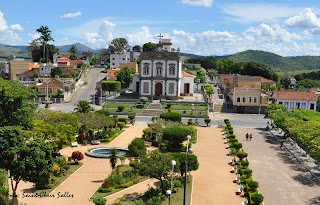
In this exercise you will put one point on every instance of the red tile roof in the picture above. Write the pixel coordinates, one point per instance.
(226, 77)
(265, 80)
(67, 70)
(293, 95)
(314, 90)
(75, 62)
(63, 60)
(185, 74)
(52, 83)
(112, 78)
(28, 73)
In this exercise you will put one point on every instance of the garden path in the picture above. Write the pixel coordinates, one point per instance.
(83, 183)
(213, 182)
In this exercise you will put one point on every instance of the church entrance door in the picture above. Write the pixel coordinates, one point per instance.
(158, 89)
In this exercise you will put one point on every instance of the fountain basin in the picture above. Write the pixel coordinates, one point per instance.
(104, 152)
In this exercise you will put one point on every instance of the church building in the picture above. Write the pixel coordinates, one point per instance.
(161, 74)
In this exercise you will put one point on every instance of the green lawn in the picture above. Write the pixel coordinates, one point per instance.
(128, 110)
(185, 106)
(116, 104)
(59, 180)
(176, 198)
(198, 113)
(114, 190)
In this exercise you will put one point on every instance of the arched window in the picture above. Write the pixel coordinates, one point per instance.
(146, 69)
(159, 68)
(172, 69)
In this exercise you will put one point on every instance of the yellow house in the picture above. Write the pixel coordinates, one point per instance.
(17, 67)
(50, 86)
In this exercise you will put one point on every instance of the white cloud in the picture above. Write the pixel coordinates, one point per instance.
(305, 19)
(141, 37)
(7, 36)
(266, 13)
(270, 33)
(34, 35)
(71, 15)
(102, 37)
(206, 3)
(16, 27)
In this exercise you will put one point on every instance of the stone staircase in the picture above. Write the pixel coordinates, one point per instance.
(153, 110)
(218, 108)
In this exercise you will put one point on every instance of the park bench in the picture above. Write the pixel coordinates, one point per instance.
(95, 142)
(233, 170)
(239, 191)
(236, 179)
(229, 153)
(74, 144)
(245, 202)
(231, 161)
(148, 144)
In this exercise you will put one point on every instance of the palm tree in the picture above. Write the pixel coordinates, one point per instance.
(45, 37)
(83, 106)
(113, 158)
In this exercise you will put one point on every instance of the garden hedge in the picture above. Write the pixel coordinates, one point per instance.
(173, 116)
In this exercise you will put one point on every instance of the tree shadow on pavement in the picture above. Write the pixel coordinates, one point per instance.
(97, 181)
(29, 190)
(306, 179)
(315, 200)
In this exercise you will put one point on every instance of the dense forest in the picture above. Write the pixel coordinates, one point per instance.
(279, 63)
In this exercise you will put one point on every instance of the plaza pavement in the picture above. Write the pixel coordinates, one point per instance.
(83, 183)
(282, 179)
(213, 182)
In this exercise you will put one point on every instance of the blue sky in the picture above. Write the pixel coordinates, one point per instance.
(204, 27)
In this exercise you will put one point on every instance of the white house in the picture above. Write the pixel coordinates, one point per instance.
(296, 100)
(123, 57)
(45, 69)
(161, 74)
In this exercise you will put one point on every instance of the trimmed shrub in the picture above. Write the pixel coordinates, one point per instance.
(231, 136)
(134, 164)
(76, 156)
(111, 85)
(105, 190)
(242, 155)
(144, 100)
(231, 132)
(104, 112)
(176, 134)
(207, 121)
(232, 140)
(139, 105)
(99, 201)
(120, 108)
(120, 125)
(245, 163)
(177, 183)
(247, 171)
(171, 116)
(237, 145)
(131, 117)
(257, 198)
(123, 119)
(253, 184)
(190, 122)
(169, 105)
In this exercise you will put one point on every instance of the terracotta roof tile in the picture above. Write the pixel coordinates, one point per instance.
(63, 60)
(185, 74)
(314, 90)
(75, 62)
(293, 95)
(53, 83)
(28, 73)
(265, 80)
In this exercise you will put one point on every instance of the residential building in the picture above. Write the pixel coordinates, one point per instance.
(123, 57)
(45, 69)
(316, 91)
(4, 67)
(18, 66)
(296, 100)
(161, 74)
(27, 78)
(82, 59)
(51, 86)
(112, 72)
(268, 82)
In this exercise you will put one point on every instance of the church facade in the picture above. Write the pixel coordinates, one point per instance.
(161, 74)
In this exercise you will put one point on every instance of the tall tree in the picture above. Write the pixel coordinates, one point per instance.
(45, 37)
(113, 157)
(120, 45)
(83, 106)
(73, 52)
(88, 54)
(104, 55)
(136, 48)
(124, 76)
(15, 107)
(149, 47)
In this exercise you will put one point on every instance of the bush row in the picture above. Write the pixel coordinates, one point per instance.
(250, 186)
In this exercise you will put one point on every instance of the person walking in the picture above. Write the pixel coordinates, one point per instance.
(132, 124)
(281, 144)
(247, 136)
(250, 136)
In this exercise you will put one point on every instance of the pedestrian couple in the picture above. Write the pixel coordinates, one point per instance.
(248, 136)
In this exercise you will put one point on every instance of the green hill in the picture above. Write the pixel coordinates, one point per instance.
(279, 63)
(18, 51)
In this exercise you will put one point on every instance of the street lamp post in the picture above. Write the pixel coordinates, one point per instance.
(168, 192)
(186, 171)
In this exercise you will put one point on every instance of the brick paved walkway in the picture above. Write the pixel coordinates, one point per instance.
(282, 179)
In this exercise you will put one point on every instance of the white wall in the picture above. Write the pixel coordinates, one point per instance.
(149, 85)
(189, 80)
(176, 69)
(295, 106)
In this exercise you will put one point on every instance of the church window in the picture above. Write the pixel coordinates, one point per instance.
(172, 69)
(159, 68)
(146, 69)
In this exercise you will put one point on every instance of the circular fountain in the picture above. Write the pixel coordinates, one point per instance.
(104, 152)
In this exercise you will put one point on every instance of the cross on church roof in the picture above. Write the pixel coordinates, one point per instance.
(160, 36)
